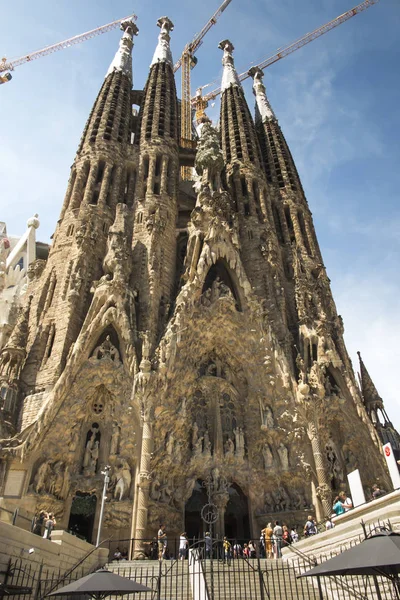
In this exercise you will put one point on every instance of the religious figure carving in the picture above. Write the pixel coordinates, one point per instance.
(283, 456)
(42, 478)
(107, 350)
(170, 444)
(207, 444)
(239, 441)
(229, 447)
(268, 418)
(116, 432)
(267, 456)
(122, 478)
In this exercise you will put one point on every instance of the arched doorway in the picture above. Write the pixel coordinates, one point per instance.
(194, 525)
(237, 522)
(81, 518)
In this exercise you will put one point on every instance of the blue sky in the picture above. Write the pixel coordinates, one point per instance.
(337, 101)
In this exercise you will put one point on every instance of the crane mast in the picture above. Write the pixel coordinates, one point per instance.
(187, 61)
(201, 102)
(77, 39)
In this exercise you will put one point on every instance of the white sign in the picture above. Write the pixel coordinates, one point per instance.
(356, 488)
(392, 465)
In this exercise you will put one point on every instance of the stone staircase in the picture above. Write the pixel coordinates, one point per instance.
(238, 580)
(174, 580)
(242, 579)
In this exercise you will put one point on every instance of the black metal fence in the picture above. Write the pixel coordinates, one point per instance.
(20, 574)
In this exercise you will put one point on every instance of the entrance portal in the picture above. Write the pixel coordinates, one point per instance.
(237, 522)
(81, 518)
(194, 525)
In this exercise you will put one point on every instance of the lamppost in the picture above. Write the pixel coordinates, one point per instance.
(106, 474)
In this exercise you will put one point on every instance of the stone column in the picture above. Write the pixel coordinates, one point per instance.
(164, 175)
(324, 490)
(90, 184)
(105, 186)
(143, 489)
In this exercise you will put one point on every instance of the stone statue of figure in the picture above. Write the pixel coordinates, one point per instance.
(267, 456)
(239, 441)
(74, 439)
(283, 456)
(195, 434)
(94, 457)
(170, 443)
(268, 418)
(116, 431)
(88, 450)
(229, 447)
(42, 478)
(207, 444)
(106, 350)
(122, 478)
(198, 447)
(57, 480)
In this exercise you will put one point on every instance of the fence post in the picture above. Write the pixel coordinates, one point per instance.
(261, 578)
(159, 578)
(321, 597)
(15, 516)
(36, 595)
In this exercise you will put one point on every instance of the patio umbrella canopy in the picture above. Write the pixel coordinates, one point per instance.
(377, 555)
(101, 584)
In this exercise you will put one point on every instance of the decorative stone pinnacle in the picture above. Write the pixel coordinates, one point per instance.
(163, 51)
(229, 75)
(263, 105)
(123, 57)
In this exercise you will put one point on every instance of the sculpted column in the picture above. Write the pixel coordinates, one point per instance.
(142, 382)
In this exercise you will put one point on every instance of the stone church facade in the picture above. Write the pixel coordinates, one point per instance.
(181, 333)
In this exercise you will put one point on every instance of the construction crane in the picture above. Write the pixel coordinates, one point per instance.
(77, 39)
(187, 61)
(200, 102)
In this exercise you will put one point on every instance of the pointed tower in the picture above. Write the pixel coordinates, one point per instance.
(245, 179)
(99, 179)
(156, 208)
(376, 410)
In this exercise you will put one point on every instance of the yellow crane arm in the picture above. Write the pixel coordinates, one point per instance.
(198, 38)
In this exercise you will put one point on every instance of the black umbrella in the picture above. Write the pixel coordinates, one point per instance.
(101, 584)
(376, 555)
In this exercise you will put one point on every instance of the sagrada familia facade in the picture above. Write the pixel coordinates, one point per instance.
(182, 332)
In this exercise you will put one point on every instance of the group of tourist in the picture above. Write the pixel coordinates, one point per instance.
(44, 524)
(274, 537)
(120, 554)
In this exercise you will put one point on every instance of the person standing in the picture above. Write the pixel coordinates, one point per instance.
(162, 541)
(338, 507)
(346, 501)
(268, 531)
(278, 534)
(49, 526)
(208, 544)
(310, 527)
(39, 523)
(227, 550)
(183, 544)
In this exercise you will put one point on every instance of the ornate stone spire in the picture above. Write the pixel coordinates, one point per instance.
(370, 394)
(163, 51)
(123, 57)
(263, 105)
(229, 75)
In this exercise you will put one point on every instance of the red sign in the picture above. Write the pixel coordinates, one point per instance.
(387, 451)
